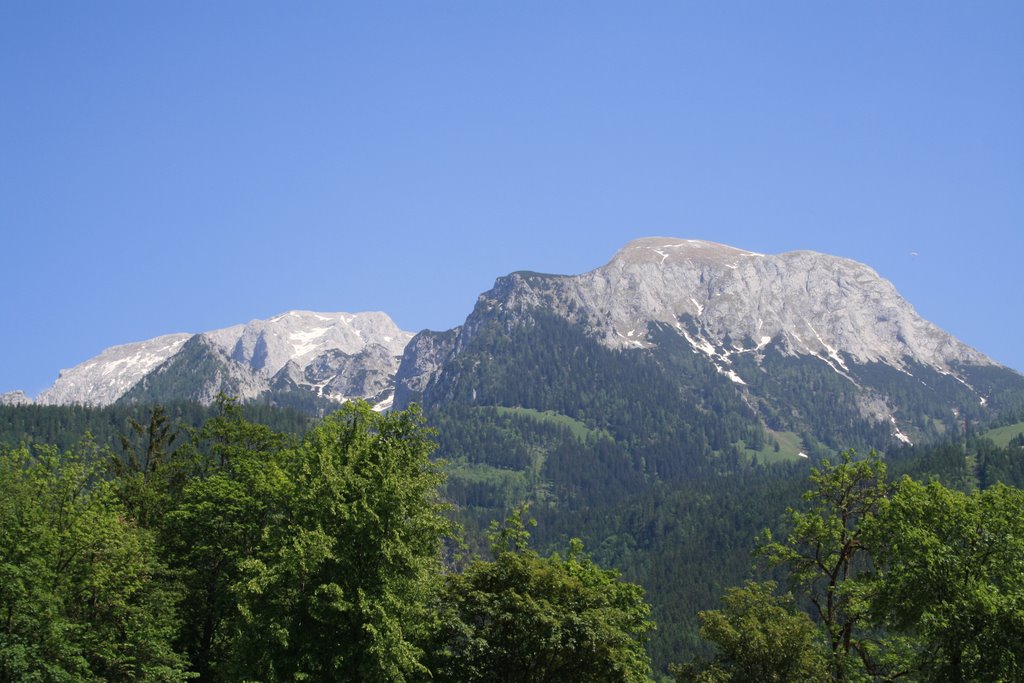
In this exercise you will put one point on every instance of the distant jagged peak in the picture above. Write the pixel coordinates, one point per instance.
(260, 348)
(302, 335)
(15, 398)
(354, 319)
(268, 344)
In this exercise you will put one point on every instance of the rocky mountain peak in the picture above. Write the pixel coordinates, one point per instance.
(103, 379)
(301, 336)
(778, 332)
(15, 398)
(724, 301)
(815, 304)
(248, 360)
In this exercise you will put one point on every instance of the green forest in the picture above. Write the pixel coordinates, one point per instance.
(245, 543)
(232, 552)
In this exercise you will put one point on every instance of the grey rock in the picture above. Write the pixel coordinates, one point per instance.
(102, 380)
(15, 398)
(424, 358)
(817, 304)
(724, 301)
(247, 361)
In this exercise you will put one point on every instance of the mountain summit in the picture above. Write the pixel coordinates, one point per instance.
(810, 303)
(761, 321)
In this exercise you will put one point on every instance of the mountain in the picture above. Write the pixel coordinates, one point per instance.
(637, 406)
(299, 358)
(784, 330)
(14, 398)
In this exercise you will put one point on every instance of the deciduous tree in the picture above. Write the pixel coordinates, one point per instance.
(759, 636)
(523, 617)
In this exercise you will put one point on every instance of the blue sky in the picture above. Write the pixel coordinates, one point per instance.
(169, 167)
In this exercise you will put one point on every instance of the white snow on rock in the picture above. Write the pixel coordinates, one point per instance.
(816, 304)
(300, 336)
(260, 349)
(102, 380)
(900, 436)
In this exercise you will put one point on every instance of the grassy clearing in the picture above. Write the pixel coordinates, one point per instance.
(790, 447)
(506, 484)
(1001, 435)
(578, 429)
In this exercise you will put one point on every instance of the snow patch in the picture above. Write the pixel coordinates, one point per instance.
(700, 309)
(956, 377)
(635, 343)
(303, 342)
(898, 434)
(731, 374)
(832, 353)
(703, 345)
(838, 371)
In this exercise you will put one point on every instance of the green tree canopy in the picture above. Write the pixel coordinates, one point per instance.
(349, 563)
(825, 550)
(951, 575)
(82, 595)
(232, 488)
(916, 582)
(759, 637)
(523, 617)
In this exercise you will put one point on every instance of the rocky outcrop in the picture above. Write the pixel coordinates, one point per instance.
(815, 303)
(102, 380)
(15, 398)
(424, 358)
(334, 356)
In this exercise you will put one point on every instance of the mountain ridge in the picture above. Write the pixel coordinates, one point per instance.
(730, 305)
(250, 358)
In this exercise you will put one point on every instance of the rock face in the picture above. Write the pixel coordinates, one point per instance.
(330, 357)
(302, 336)
(733, 307)
(15, 398)
(813, 304)
(102, 380)
(424, 357)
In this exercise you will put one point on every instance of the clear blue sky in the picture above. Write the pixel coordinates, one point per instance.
(182, 166)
